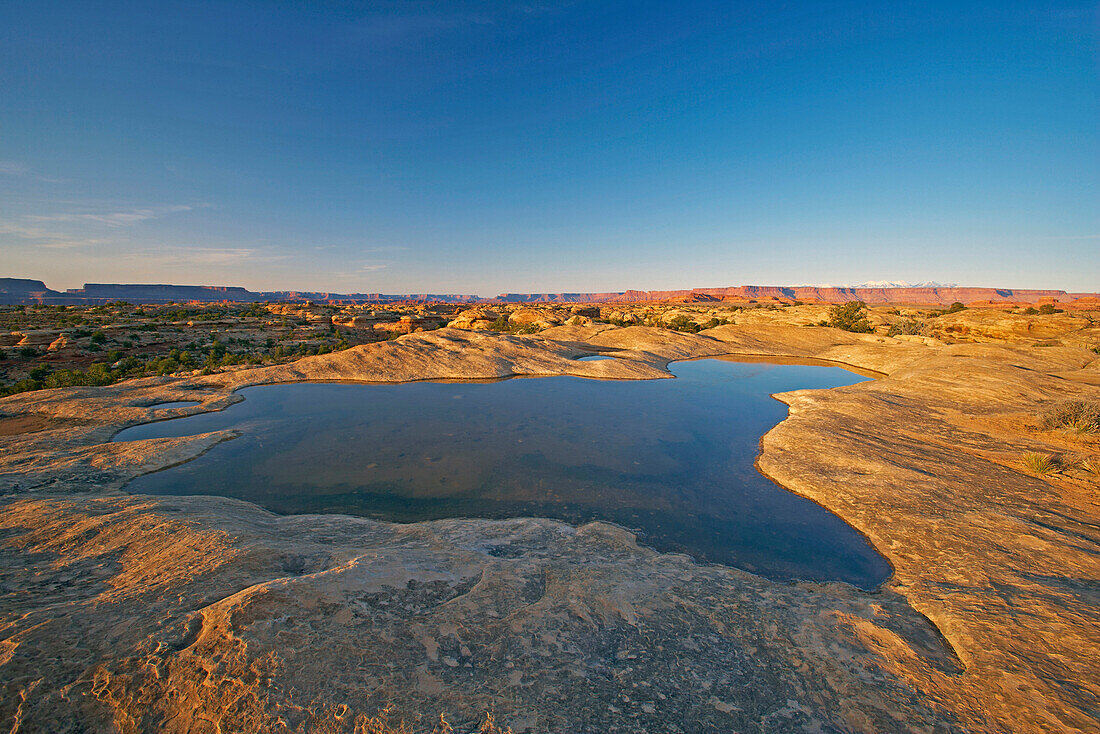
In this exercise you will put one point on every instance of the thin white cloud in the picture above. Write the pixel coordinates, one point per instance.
(393, 31)
(371, 268)
(41, 237)
(72, 230)
(363, 250)
(13, 168)
(23, 231)
(382, 248)
(125, 218)
(204, 256)
(72, 244)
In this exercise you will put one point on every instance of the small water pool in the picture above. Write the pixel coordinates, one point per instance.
(671, 459)
(594, 358)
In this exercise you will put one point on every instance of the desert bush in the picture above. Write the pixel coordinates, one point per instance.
(384, 722)
(1038, 464)
(850, 316)
(683, 323)
(953, 308)
(1048, 308)
(24, 385)
(1079, 462)
(1078, 416)
(502, 324)
(909, 327)
(40, 372)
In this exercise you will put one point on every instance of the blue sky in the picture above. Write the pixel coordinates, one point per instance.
(478, 147)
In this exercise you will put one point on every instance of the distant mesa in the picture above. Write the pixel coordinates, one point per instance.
(27, 291)
(22, 288)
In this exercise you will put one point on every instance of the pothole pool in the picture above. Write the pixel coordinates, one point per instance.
(669, 459)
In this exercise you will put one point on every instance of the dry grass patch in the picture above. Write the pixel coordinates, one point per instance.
(383, 723)
(1074, 416)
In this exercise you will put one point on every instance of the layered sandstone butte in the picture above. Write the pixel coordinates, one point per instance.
(16, 290)
(923, 296)
(24, 290)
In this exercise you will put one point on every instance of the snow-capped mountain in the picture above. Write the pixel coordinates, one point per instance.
(903, 284)
(881, 284)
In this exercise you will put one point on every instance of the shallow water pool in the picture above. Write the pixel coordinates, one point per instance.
(670, 459)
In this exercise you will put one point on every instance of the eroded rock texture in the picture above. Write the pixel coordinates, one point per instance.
(206, 614)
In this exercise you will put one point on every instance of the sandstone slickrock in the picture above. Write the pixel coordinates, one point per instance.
(135, 613)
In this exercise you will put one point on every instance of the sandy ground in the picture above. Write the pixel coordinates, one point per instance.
(194, 614)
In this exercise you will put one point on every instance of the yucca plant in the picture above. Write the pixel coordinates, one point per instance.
(1090, 464)
(1082, 426)
(1039, 464)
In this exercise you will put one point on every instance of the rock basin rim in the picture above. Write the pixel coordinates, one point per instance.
(776, 360)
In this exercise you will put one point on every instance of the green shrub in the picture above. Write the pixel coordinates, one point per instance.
(99, 337)
(64, 378)
(100, 374)
(40, 372)
(683, 323)
(502, 324)
(25, 385)
(850, 316)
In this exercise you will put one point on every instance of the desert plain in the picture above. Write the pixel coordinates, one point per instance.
(132, 613)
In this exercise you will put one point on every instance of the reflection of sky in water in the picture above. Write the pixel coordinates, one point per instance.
(672, 459)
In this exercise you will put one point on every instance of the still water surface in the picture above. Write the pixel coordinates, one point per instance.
(671, 459)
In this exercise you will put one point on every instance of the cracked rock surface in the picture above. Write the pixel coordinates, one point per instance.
(193, 614)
